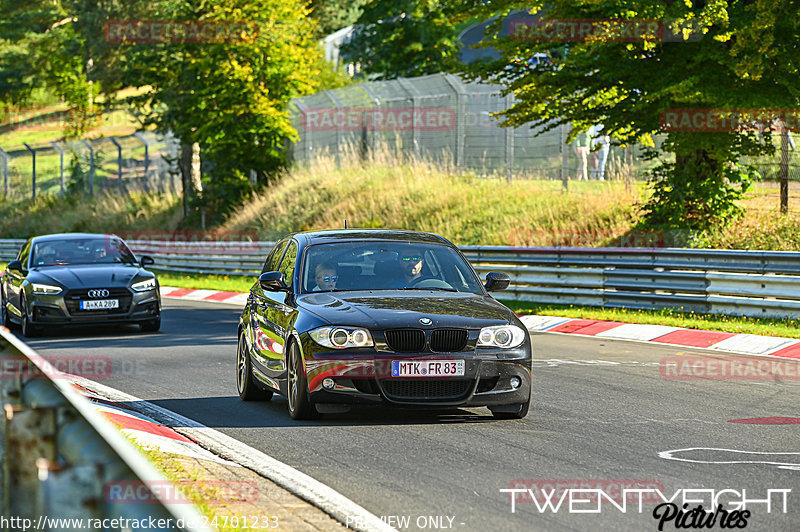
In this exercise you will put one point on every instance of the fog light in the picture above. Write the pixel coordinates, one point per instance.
(328, 383)
(515, 382)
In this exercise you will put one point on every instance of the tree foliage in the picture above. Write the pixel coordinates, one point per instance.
(725, 54)
(405, 38)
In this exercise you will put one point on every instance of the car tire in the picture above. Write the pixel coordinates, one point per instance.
(29, 330)
(517, 411)
(245, 383)
(297, 386)
(4, 316)
(151, 325)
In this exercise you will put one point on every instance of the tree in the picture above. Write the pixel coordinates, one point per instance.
(714, 54)
(333, 15)
(405, 38)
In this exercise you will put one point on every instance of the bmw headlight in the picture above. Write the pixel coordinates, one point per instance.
(505, 336)
(342, 337)
(46, 289)
(144, 286)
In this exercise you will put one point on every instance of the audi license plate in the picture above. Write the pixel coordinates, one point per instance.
(427, 368)
(100, 304)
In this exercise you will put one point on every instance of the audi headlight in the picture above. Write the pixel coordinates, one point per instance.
(144, 286)
(505, 336)
(46, 289)
(342, 337)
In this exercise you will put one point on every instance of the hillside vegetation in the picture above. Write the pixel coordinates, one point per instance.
(388, 193)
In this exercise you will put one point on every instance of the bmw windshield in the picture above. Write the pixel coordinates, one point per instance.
(386, 265)
(81, 251)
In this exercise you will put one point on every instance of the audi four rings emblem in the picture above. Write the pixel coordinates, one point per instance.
(98, 293)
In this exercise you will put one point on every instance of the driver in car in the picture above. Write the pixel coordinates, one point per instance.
(411, 263)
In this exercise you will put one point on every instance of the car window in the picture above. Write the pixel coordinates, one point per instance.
(379, 265)
(287, 264)
(273, 260)
(24, 252)
(95, 250)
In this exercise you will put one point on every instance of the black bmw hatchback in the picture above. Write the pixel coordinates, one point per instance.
(380, 317)
(78, 279)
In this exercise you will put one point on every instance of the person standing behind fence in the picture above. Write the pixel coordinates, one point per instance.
(599, 156)
(582, 145)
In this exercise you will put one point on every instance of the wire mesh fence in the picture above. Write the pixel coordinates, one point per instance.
(443, 119)
(144, 162)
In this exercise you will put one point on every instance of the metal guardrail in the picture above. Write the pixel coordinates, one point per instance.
(706, 281)
(62, 460)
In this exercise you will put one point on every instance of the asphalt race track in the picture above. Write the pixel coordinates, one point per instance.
(602, 412)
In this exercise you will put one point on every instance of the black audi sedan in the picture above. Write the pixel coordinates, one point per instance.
(393, 318)
(79, 279)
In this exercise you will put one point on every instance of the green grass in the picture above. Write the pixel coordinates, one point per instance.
(789, 328)
(230, 283)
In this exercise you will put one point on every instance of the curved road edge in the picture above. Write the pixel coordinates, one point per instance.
(347, 512)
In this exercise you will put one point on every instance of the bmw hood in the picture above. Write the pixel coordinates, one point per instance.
(394, 309)
(88, 276)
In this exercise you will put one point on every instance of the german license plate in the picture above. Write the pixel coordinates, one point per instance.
(100, 304)
(427, 368)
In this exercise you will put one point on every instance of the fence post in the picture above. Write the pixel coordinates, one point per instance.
(146, 160)
(413, 96)
(371, 121)
(564, 158)
(91, 167)
(784, 169)
(509, 143)
(338, 105)
(60, 151)
(119, 164)
(461, 110)
(5, 171)
(33, 170)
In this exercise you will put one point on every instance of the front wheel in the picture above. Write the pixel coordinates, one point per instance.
(29, 330)
(151, 325)
(299, 405)
(517, 411)
(248, 389)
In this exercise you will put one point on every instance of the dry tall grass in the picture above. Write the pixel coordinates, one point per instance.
(387, 192)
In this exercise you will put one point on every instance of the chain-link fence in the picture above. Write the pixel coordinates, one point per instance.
(441, 118)
(143, 162)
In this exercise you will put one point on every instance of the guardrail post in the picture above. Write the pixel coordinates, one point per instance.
(5, 171)
(91, 167)
(60, 151)
(33, 170)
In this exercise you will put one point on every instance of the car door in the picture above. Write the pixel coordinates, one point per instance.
(265, 335)
(279, 313)
(13, 280)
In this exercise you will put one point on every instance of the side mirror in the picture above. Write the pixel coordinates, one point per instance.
(496, 281)
(146, 260)
(273, 282)
(15, 265)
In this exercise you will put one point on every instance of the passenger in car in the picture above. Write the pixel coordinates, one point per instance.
(325, 277)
